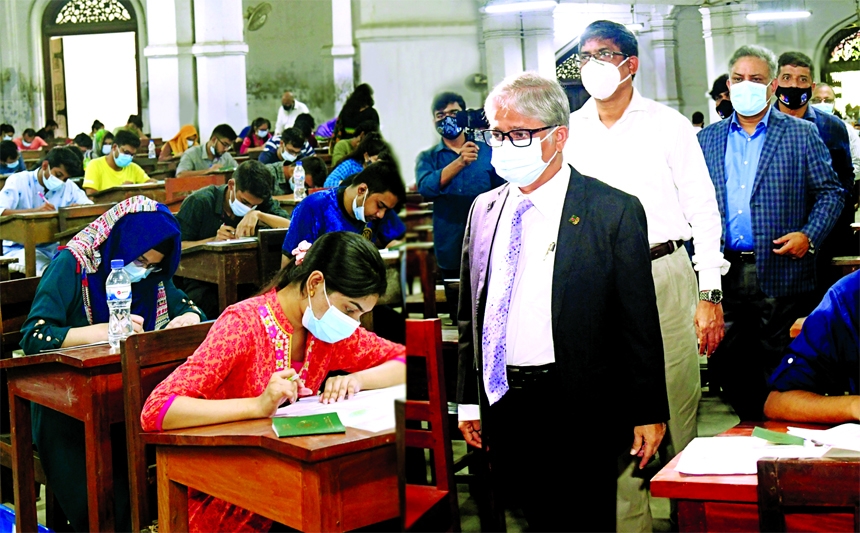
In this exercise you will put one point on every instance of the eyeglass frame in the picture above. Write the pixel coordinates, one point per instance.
(822, 100)
(508, 135)
(600, 53)
(152, 268)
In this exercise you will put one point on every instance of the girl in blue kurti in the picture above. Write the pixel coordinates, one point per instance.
(365, 153)
(364, 204)
(70, 309)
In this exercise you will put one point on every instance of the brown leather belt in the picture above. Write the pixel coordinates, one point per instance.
(665, 249)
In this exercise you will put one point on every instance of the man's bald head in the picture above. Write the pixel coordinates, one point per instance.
(287, 100)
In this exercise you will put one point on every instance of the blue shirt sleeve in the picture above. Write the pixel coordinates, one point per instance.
(305, 225)
(391, 228)
(21, 166)
(268, 157)
(428, 178)
(824, 358)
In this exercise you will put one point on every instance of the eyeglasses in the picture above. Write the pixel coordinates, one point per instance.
(605, 55)
(143, 263)
(223, 144)
(519, 138)
(821, 100)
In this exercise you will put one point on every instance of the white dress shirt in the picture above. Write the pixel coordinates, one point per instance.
(652, 153)
(529, 328)
(286, 119)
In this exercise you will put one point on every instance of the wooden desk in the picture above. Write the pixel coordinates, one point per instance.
(847, 264)
(320, 483)
(86, 384)
(29, 229)
(730, 503)
(228, 266)
(287, 201)
(3, 180)
(118, 194)
(4, 267)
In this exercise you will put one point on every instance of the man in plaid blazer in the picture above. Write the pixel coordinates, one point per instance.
(779, 198)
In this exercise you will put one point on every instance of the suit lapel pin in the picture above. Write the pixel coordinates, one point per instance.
(574, 220)
(490, 206)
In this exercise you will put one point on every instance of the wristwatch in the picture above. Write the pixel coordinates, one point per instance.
(811, 245)
(714, 296)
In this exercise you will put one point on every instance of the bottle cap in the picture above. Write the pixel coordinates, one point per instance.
(116, 263)
(298, 163)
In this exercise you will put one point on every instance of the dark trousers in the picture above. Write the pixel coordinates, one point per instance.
(62, 450)
(757, 334)
(451, 296)
(549, 464)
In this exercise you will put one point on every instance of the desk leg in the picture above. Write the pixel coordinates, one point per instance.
(227, 294)
(22, 463)
(100, 499)
(691, 516)
(172, 496)
(322, 507)
(30, 251)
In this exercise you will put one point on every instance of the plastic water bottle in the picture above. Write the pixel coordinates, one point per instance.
(299, 181)
(118, 289)
(151, 149)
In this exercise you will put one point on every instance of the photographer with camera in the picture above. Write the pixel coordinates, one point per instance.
(452, 174)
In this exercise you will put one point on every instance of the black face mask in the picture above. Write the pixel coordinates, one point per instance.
(725, 109)
(287, 107)
(793, 97)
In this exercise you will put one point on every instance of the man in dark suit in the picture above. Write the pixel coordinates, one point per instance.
(558, 320)
(779, 198)
(793, 97)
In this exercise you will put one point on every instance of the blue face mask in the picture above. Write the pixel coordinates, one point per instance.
(123, 160)
(52, 183)
(239, 209)
(448, 128)
(262, 133)
(334, 326)
(106, 149)
(748, 97)
(135, 272)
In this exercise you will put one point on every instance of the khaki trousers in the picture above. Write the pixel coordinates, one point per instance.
(677, 296)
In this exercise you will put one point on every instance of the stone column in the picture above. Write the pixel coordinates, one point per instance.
(220, 50)
(342, 51)
(538, 49)
(725, 29)
(660, 39)
(172, 97)
(504, 47)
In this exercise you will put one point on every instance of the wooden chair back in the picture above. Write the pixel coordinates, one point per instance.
(427, 507)
(799, 483)
(421, 258)
(147, 359)
(270, 242)
(16, 297)
(71, 220)
(177, 189)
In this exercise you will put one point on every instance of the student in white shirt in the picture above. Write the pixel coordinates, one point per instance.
(43, 189)
(289, 110)
(650, 151)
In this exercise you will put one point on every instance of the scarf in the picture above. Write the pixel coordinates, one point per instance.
(126, 231)
(179, 143)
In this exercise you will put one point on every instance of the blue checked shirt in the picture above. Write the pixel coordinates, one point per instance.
(743, 152)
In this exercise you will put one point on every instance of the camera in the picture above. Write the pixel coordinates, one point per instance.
(472, 120)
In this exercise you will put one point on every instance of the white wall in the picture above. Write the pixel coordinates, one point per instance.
(410, 51)
(291, 52)
(693, 82)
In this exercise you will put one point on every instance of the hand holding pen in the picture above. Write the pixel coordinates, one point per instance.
(47, 206)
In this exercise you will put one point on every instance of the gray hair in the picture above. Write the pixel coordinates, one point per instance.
(754, 50)
(530, 95)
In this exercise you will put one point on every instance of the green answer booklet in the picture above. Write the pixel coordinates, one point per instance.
(300, 426)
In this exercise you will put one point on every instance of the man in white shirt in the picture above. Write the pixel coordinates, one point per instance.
(44, 189)
(289, 110)
(650, 151)
(557, 309)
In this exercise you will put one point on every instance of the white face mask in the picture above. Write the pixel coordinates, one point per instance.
(824, 107)
(239, 209)
(7, 137)
(52, 183)
(287, 155)
(357, 211)
(748, 97)
(190, 143)
(106, 148)
(521, 166)
(334, 326)
(25, 143)
(601, 79)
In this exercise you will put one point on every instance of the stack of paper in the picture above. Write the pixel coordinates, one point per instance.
(842, 441)
(370, 410)
(736, 455)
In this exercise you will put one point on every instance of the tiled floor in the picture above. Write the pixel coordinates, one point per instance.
(714, 417)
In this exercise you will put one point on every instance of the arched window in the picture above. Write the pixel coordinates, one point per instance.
(569, 77)
(67, 18)
(840, 68)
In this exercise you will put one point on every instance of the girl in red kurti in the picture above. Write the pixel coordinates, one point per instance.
(307, 323)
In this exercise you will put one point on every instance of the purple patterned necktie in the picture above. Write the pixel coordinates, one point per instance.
(494, 339)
